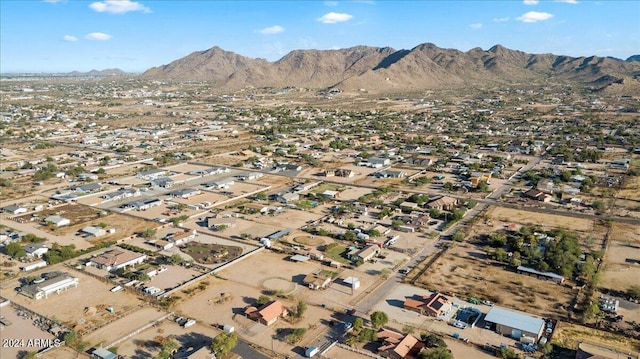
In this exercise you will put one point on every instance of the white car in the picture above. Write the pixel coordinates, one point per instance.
(460, 325)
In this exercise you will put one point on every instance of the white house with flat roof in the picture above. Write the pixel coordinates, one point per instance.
(57, 221)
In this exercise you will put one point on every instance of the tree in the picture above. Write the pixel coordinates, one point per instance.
(224, 343)
(458, 237)
(367, 335)
(175, 259)
(295, 335)
(358, 323)
(148, 233)
(436, 353)
(590, 313)
(167, 350)
(385, 273)
(634, 291)
(507, 353)
(598, 206)
(263, 299)
(15, 250)
(483, 187)
(70, 338)
(301, 308)
(431, 340)
(379, 319)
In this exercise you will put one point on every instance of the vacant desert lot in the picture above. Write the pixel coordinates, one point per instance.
(20, 332)
(622, 260)
(545, 220)
(122, 327)
(465, 271)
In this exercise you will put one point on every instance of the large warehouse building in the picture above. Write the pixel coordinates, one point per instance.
(515, 324)
(55, 283)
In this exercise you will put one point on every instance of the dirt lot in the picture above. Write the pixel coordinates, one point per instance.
(466, 271)
(630, 189)
(21, 334)
(622, 259)
(143, 345)
(570, 335)
(204, 253)
(82, 307)
(121, 327)
(545, 220)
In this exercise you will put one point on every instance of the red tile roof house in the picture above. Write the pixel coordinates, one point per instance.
(268, 313)
(396, 346)
(433, 305)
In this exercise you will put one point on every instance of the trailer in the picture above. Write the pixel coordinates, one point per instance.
(33, 266)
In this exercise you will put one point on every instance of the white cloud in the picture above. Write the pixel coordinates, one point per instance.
(272, 30)
(69, 38)
(101, 36)
(573, 2)
(334, 17)
(476, 26)
(535, 16)
(331, 3)
(530, 2)
(501, 19)
(118, 6)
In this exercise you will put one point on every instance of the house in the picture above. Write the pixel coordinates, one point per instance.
(87, 177)
(181, 237)
(249, 176)
(92, 231)
(13, 209)
(162, 182)
(185, 193)
(378, 161)
(54, 283)
(366, 253)
(379, 228)
(330, 194)
(86, 188)
(57, 221)
(317, 281)
(398, 346)
(220, 184)
(143, 205)
(443, 203)
(537, 195)
(117, 258)
(477, 177)
(268, 313)
(217, 223)
(515, 324)
(434, 305)
(152, 174)
(344, 172)
(121, 194)
(35, 250)
(288, 197)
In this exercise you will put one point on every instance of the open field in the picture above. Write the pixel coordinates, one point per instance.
(544, 220)
(122, 327)
(630, 188)
(82, 307)
(466, 271)
(570, 335)
(622, 260)
(267, 264)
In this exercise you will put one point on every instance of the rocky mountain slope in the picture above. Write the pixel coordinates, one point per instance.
(426, 66)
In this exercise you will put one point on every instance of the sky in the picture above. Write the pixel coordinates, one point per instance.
(75, 35)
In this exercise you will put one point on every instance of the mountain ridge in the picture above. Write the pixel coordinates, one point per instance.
(425, 66)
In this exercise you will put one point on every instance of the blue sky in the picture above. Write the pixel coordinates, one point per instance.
(61, 36)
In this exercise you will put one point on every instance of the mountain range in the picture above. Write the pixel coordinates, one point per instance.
(383, 69)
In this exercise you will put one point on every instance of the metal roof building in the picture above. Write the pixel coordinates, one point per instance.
(515, 324)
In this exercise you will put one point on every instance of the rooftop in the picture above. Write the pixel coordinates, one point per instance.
(514, 320)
